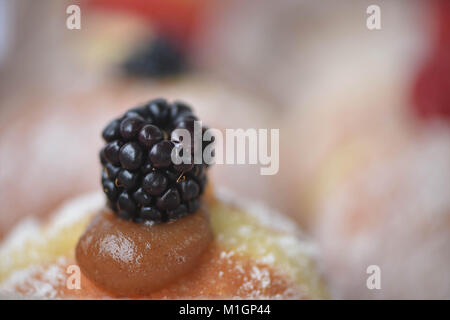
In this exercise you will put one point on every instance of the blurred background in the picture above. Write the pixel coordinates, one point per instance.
(363, 115)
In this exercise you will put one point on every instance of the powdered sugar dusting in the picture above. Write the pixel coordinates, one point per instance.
(37, 281)
(294, 240)
(268, 237)
(30, 239)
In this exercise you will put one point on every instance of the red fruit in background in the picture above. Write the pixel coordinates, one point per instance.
(431, 95)
(431, 90)
(442, 18)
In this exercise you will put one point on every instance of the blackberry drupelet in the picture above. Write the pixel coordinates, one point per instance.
(139, 178)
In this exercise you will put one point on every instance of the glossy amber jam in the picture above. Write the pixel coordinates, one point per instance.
(130, 259)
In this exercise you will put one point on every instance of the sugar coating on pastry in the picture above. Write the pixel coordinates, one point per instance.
(257, 253)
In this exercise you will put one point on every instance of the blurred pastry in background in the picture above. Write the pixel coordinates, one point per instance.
(375, 180)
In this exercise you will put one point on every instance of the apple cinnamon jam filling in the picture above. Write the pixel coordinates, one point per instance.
(130, 259)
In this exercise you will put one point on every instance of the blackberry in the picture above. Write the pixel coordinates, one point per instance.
(178, 212)
(155, 183)
(157, 58)
(111, 171)
(112, 152)
(139, 179)
(150, 135)
(142, 198)
(111, 132)
(169, 200)
(189, 189)
(130, 127)
(126, 179)
(150, 214)
(130, 156)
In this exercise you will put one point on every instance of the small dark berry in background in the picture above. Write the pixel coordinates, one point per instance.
(157, 58)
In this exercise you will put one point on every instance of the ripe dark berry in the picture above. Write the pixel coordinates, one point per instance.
(159, 109)
(177, 213)
(188, 124)
(197, 170)
(127, 179)
(102, 156)
(160, 154)
(140, 112)
(130, 127)
(112, 131)
(185, 120)
(130, 156)
(183, 167)
(139, 179)
(150, 214)
(142, 197)
(154, 183)
(126, 203)
(112, 152)
(189, 189)
(104, 175)
(149, 135)
(171, 175)
(110, 189)
(193, 205)
(178, 109)
(169, 200)
(112, 171)
(146, 168)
